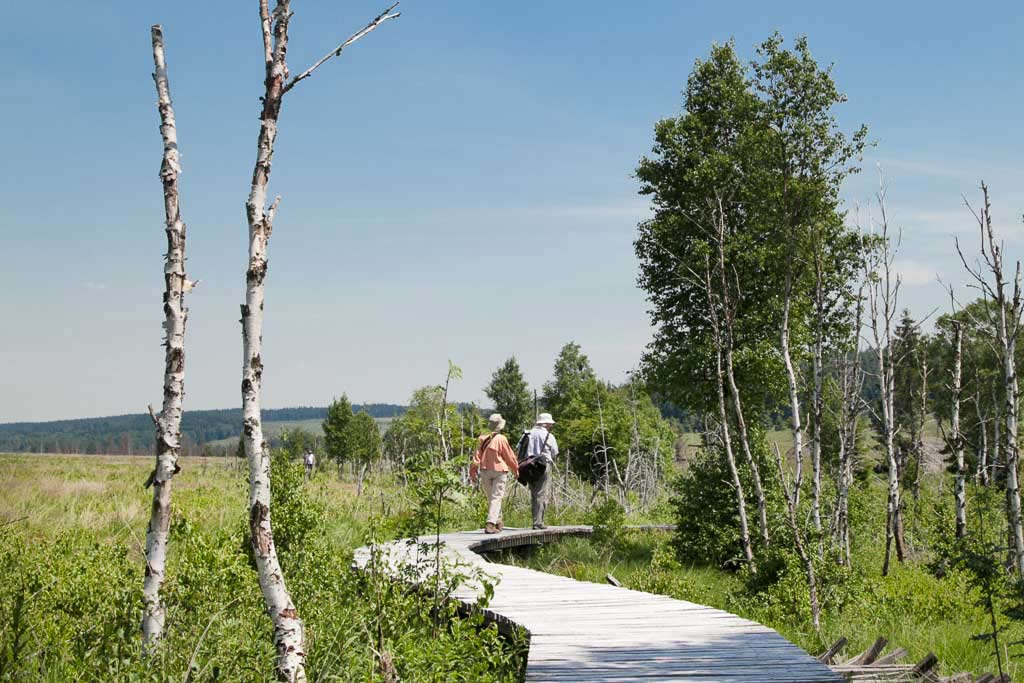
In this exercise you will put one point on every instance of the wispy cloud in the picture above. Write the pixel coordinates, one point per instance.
(96, 285)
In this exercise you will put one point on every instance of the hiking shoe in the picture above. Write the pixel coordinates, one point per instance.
(490, 528)
(501, 525)
(540, 526)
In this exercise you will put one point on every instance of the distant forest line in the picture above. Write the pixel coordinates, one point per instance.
(133, 434)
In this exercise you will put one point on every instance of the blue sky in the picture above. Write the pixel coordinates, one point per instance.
(458, 185)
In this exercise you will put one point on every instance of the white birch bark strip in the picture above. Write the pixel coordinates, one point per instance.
(955, 438)
(730, 314)
(723, 417)
(883, 296)
(168, 422)
(1007, 323)
(289, 636)
(794, 392)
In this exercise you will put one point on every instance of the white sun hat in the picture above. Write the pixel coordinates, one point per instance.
(545, 419)
(496, 422)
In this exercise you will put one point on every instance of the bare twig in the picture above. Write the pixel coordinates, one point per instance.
(377, 21)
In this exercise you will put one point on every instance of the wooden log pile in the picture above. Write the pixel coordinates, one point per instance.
(874, 665)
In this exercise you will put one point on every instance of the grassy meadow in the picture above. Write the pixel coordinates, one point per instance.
(72, 531)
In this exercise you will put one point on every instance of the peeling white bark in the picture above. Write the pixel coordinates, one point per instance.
(729, 315)
(289, 636)
(168, 422)
(956, 440)
(794, 391)
(1007, 323)
(852, 384)
(723, 418)
(883, 296)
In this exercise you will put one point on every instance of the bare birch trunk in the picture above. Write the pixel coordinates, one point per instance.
(1011, 450)
(794, 395)
(982, 473)
(919, 442)
(168, 422)
(851, 383)
(1007, 324)
(956, 441)
(729, 314)
(817, 374)
(289, 633)
(882, 297)
(741, 423)
(723, 417)
(997, 436)
(1012, 454)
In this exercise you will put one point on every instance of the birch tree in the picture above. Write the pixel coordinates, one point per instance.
(883, 295)
(168, 421)
(289, 636)
(851, 384)
(1004, 317)
(807, 159)
(955, 443)
(723, 420)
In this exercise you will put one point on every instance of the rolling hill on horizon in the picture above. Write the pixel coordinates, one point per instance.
(132, 434)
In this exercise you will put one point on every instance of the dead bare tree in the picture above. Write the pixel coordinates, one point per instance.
(982, 445)
(1006, 321)
(955, 440)
(168, 421)
(851, 385)
(883, 295)
(289, 636)
(919, 442)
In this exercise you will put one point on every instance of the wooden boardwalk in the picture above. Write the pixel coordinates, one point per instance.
(583, 631)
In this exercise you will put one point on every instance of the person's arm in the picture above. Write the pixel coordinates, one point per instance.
(554, 446)
(509, 456)
(474, 465)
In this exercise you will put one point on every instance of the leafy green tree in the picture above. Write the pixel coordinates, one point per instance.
(747, 261)
(336, 432)
(364, 439)
(429, 421)
(572, 376)
(604, 431)
(511, 396)
(295, 442)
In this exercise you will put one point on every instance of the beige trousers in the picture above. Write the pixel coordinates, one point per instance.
(493, 484)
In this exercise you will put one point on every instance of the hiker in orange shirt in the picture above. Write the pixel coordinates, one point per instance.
(493, 460)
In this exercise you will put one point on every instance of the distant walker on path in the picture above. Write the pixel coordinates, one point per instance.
(309, 460)
(493, 460)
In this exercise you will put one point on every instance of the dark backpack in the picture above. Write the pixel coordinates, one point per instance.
(530, 468)
(523, 446)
